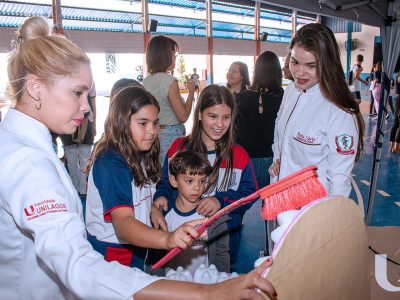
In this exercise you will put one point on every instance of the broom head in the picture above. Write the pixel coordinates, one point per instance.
(291, 192)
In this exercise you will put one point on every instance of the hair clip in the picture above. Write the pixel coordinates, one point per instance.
(16, 44)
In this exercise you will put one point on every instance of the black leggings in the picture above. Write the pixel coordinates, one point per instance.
(395, 131)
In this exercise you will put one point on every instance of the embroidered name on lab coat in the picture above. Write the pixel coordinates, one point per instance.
(305, 139)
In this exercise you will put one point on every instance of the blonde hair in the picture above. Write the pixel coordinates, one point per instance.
(38, 53)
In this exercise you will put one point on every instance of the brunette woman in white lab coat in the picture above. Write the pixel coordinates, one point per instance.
(318, 123)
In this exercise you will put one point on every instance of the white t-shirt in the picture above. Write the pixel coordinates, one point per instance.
(356, 82)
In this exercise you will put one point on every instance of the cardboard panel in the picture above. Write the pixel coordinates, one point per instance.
(324, 254)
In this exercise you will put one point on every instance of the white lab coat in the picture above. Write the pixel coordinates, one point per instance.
(44, 253)
(310, 130)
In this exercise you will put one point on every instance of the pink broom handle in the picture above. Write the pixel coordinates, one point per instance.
(175, 251)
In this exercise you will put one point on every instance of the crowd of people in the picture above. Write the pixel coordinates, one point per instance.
(148, 184)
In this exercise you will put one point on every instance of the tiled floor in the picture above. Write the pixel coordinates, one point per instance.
(386, 210)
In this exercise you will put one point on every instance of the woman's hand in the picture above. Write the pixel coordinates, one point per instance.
(184, 235)
(157, 218)
(245, 286)
(161, 202)
(208, 206)
(275, 168)
(190, 86)
(240, 288)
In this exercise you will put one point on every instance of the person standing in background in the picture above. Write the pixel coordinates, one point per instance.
(395, 130)
(370, 78)
(357, 70)
(237, 77)
(78, 146)
(286, 70)
(257, 111)
(196, 80)
(377, 86)
(161, 54)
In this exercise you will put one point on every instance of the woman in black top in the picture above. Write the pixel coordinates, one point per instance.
(257, 111)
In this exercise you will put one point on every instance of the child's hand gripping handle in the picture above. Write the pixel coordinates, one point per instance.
(175, 251)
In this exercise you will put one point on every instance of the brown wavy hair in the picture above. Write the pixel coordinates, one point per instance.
(214, 95)
(117, 135)
(320, 41)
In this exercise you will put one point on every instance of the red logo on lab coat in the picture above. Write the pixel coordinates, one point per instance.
(29, 211)
(344, 144)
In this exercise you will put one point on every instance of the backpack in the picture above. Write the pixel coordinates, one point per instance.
(350, 78)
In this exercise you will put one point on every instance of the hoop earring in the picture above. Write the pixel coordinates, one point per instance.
(38, 103)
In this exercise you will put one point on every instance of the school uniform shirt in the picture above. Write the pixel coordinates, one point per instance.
(111, 186)
(197, 254)
(310, 130)
(44, 253)
(242, 184)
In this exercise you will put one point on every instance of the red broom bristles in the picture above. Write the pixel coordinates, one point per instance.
(292, 197)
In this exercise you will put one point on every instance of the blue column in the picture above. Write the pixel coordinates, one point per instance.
(348, 49)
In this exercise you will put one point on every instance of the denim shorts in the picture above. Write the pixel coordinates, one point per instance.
(167, 135)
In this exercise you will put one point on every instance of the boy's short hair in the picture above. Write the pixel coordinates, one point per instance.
(360, 57)
(188, 161)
